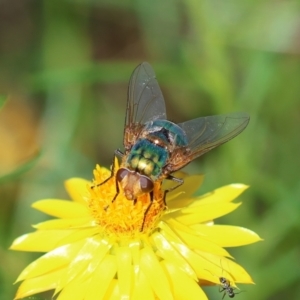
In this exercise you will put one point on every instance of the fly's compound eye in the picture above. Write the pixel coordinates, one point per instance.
(146, 184)
(121, 173)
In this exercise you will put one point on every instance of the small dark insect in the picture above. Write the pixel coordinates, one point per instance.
(226, 288)
(225, 285)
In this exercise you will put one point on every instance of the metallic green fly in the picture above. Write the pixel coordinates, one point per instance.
(156, 147)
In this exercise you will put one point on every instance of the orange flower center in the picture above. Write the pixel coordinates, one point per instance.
(117, 215)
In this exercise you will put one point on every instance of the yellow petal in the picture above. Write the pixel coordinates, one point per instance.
(168, 252)
(124, 260)
(51, 261)
(38, 284)
(142, 288)
(189, 187)
(201, 243)
(185, 288)
(113, 291)
(205, 213)
(77, 189)
(155, 274)
(61, 208)
(84, 262)
(224, 194)
(227, 268)
(65, 223)
(77, 235)
(135, 246)
(74, 291)
(203, 263)
(102, 277)
(94, 289)
(195, 239)
(39, 241)
(227, 236)
(197, 262)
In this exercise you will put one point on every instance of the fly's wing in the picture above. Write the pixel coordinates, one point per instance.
(206, 133)
(145, 103)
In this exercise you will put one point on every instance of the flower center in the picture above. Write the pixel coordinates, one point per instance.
(117, 215)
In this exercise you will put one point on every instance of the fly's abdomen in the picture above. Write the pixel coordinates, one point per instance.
(147, 158)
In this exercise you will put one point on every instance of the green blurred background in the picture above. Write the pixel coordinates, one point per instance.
(65, 66)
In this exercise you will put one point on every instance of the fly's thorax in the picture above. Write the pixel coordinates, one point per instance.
(148, 157)
(168, 132)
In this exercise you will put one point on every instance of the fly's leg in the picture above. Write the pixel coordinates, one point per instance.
(147, 210)
(164, 198)
(149, 206)
(179, 182)
(121, 154)
(117, 192)
(112, 174)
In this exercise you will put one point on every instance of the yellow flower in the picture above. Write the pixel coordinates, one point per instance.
(97, 248)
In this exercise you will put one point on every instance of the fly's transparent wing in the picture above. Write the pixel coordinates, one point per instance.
(206, 133)
(145, 102)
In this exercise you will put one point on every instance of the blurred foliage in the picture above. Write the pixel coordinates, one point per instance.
(3, 99)
(20, 169)
(65, 66)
